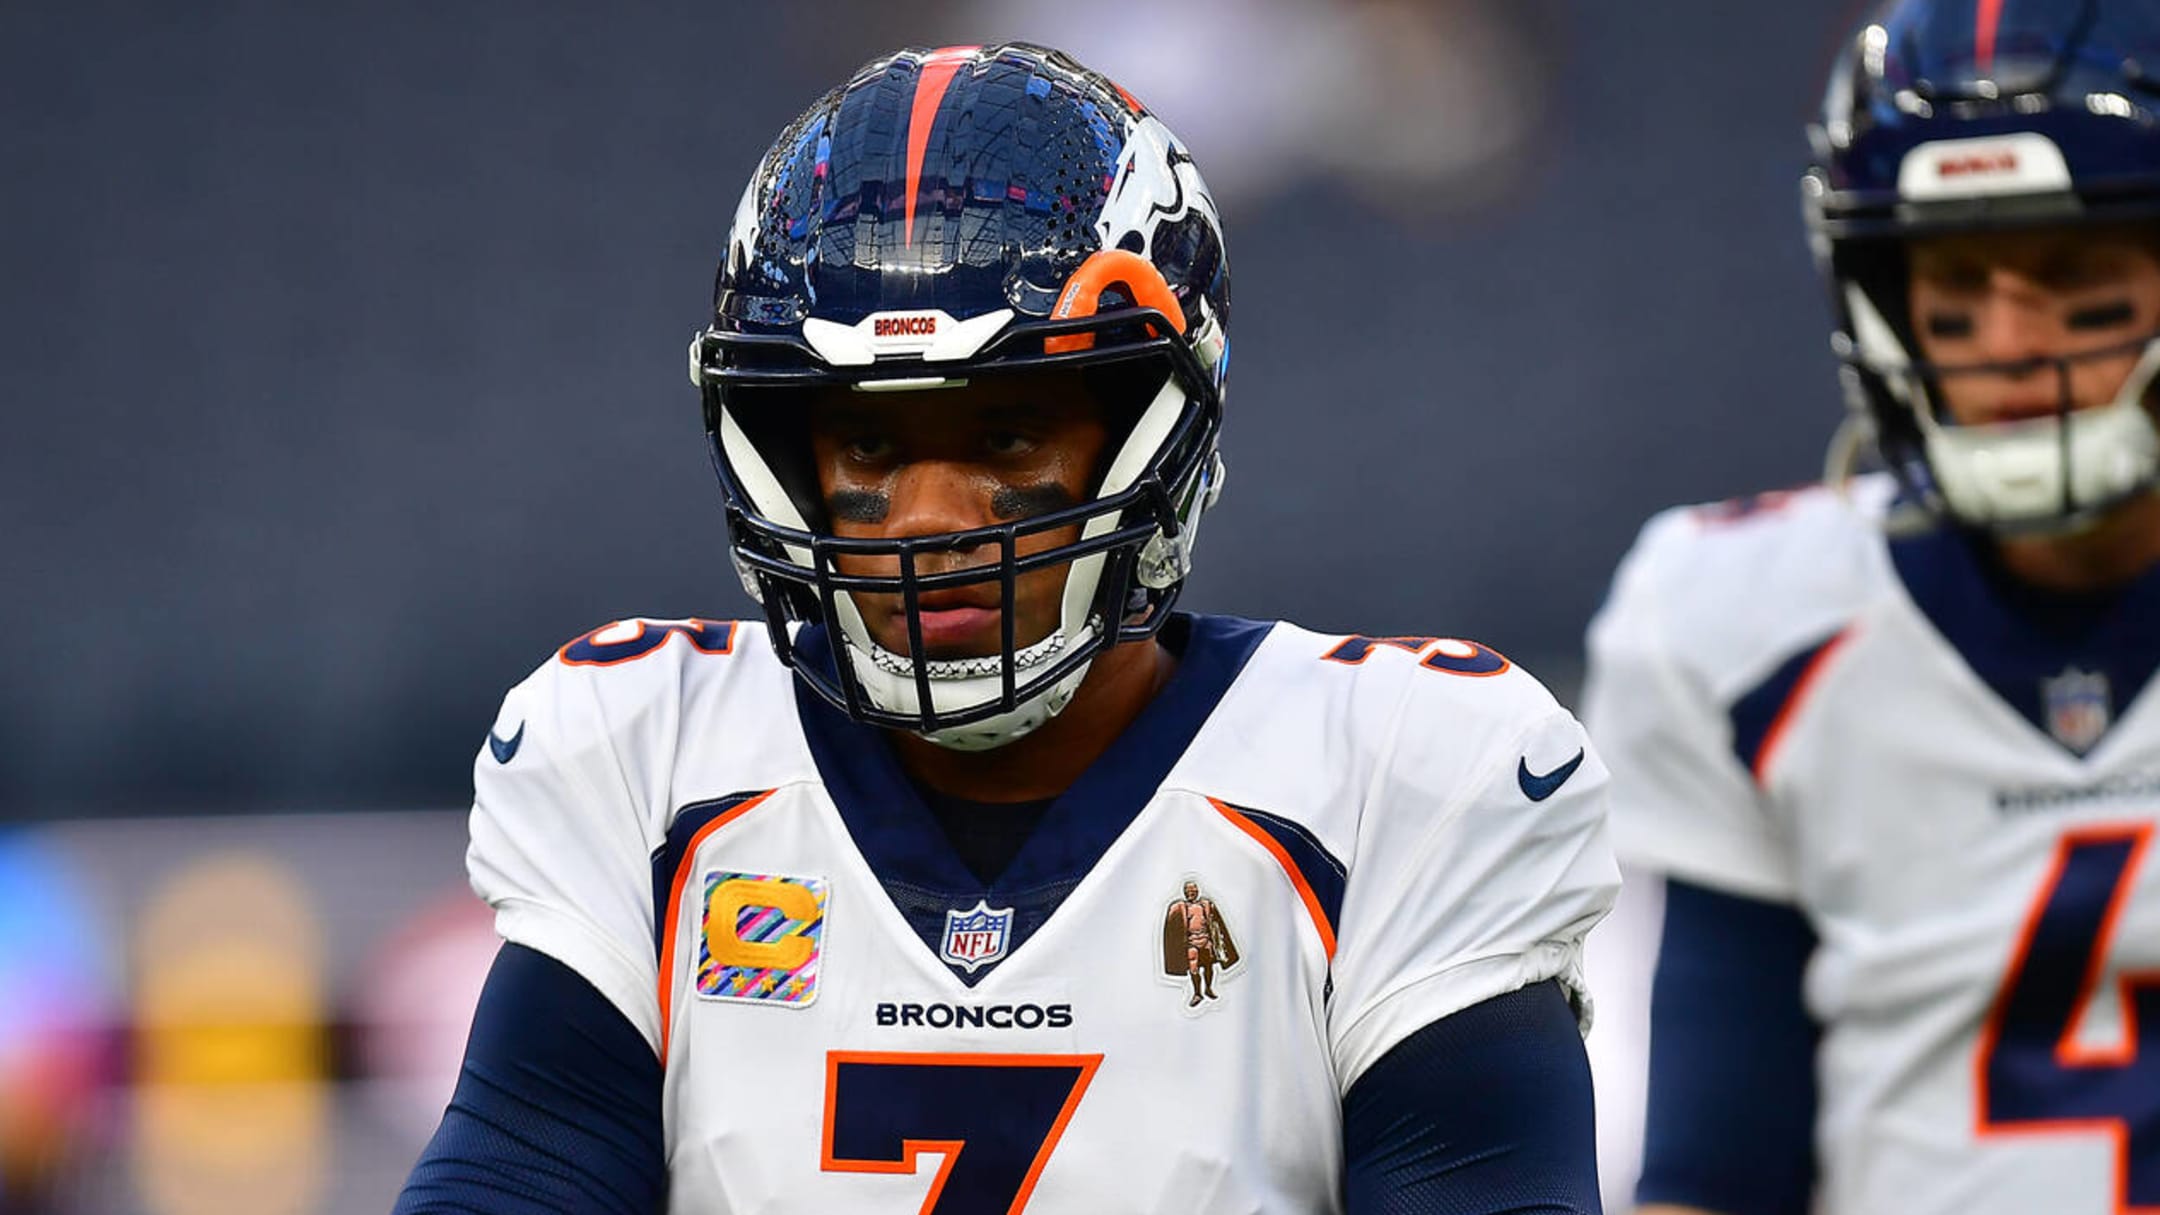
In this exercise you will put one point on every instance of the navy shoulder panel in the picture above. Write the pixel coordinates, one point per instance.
(1760, 711)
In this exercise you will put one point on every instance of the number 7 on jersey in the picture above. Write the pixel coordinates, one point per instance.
(996, 1119)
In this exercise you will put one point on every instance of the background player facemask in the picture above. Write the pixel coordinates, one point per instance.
(2038, 474)
(947, 215)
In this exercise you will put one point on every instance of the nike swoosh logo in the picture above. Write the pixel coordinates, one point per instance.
(504, 748)
(1538, 788)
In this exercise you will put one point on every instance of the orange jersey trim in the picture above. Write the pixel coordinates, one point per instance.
(1774, 737)
(674, 913)
(1290, 867)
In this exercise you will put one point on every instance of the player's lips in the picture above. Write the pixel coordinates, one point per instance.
(957, 626)
(964, 617)
(2024, 411)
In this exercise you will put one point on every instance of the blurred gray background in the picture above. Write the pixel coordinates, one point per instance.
(341, 345)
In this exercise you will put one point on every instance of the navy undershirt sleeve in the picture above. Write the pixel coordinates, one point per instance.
(1482, 1112)
(557, 1108)
(1732, 1058)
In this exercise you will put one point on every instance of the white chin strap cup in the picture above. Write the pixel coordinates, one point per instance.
(888, 680)
(2044, 474)
(2047, 471)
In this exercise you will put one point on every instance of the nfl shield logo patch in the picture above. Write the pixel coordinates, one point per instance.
(976, 937)
(2079, 707)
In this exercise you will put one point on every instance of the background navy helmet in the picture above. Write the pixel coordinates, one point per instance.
(1949, 116)
(946, 215)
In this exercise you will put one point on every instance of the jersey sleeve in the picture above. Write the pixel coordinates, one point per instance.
(1526, 1144)
(1682, 802)
(561, 846)
(1481, 861)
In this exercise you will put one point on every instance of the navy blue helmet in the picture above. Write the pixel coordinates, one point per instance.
(946, 215)
(1954, 116)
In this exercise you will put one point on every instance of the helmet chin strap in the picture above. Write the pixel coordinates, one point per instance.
(1849, 446)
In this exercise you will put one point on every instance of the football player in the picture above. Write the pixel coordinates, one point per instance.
(858, 907)
(1893, 741)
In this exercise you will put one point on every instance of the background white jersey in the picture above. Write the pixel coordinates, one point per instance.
(1786, 721)
(1377, 833)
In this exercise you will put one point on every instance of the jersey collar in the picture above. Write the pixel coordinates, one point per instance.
(2027, 643)
(908, 851)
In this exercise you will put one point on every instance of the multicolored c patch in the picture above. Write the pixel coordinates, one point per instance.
(761, 938)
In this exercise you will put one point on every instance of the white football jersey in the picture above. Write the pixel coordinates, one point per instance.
(1787, 719)
(1346, 837)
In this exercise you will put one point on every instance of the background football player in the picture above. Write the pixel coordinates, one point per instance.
(789, 904)
(1893, 742)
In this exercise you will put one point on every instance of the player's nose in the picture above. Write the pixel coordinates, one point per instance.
(2016, 321)
(934, 496)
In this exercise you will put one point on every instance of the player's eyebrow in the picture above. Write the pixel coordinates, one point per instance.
(843, 416)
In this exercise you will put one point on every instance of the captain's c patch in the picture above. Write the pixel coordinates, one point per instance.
(761, 938)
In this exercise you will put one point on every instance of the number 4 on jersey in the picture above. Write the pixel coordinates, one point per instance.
(2034, 1076)
(996, 1119)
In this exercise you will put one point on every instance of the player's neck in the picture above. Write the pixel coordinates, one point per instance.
(2116, 550)
(1046, 762)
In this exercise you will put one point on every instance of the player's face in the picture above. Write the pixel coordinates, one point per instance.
(901, 464)
(1996, 308)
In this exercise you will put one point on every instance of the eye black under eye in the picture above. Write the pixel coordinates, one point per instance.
(2102, 316)
(1950, 324)
(858, 506)
(1028, 501)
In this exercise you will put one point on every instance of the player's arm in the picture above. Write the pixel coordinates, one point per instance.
(1731, 1081)
(1732, 1058)
(557, 1106)
(1513, 1133)
(1456, 1018)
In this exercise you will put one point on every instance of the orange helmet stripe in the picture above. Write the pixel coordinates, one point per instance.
(938, 69)
(1985, 24)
